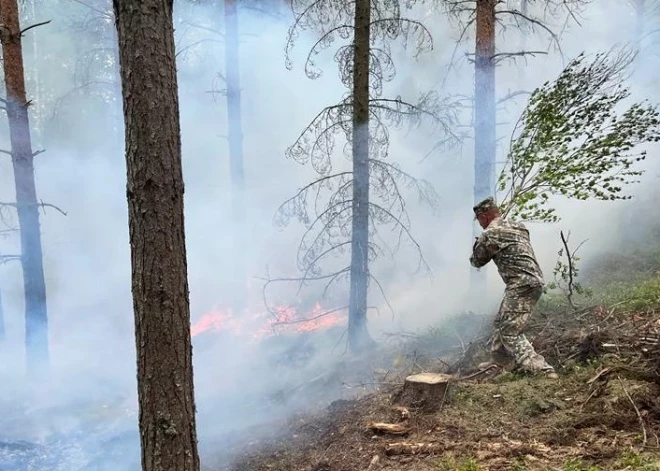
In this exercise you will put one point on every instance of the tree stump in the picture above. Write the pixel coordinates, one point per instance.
(424, 391)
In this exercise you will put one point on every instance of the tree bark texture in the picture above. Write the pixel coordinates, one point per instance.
(27, 205)
(358, 335)
(156, 226)
(484, 119)
(236, 170)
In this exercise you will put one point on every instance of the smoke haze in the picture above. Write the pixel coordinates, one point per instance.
(86, 252)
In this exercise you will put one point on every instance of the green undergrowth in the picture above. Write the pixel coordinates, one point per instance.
(629, 461)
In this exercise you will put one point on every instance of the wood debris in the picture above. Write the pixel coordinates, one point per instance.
(394, 429)
(401, 448)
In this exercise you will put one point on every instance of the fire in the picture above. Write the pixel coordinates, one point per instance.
(285, 319)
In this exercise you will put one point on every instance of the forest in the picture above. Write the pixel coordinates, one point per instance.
(237, 234)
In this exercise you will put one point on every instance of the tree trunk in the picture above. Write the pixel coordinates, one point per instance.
(640, 24)
(358, 335)
(36, 315)
(2, 319)
(524, 9)
(156, 225)
(484, 120)
(235, 137)
(424, 391)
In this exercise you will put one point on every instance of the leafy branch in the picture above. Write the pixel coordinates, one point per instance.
(566, 273)
(572, 141)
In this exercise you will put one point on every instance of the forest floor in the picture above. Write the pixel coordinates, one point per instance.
(603, 413)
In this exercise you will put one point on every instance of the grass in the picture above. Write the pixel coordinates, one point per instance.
(449, 462)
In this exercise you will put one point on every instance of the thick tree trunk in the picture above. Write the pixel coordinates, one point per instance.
(425, 391)
(36, 315)
(484, 120)
(358, 335)
(156, 224)
(235, 137)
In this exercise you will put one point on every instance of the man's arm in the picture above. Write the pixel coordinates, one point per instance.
(483, 251)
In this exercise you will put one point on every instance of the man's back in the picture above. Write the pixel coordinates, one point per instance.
(507, 244)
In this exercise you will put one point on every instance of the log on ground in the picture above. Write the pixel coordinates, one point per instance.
(424, 391)
(402, 448)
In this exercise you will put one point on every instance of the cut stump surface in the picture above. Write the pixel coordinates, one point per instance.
(424, 391)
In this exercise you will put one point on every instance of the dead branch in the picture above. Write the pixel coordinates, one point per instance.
(510, 55)
(311, 319)
(42, 205)
(393, 429)
(639, 415)
(393, 449)
(533, 22)
(36, 25)
(9, 258)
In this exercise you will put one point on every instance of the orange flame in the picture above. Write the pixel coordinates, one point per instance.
(264, 324)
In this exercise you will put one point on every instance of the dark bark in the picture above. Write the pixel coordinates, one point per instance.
(236, 171)
(156, 225)
(36, 314)
(484, 118)
(358, 335)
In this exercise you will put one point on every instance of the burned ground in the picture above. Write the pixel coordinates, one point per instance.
(602, 413)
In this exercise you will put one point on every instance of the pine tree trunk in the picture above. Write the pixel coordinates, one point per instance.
(156, 225)
(2, 319)
(358, 335)
(524, 9)
(640, 24)
(36, 314)
(235, 137)
(484, 120)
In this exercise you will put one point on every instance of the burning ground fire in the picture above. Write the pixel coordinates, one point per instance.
(284, 319)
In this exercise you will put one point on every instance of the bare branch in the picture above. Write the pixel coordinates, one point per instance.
(310, 319)
(512, 95)
(9, 258)
(41, 204)
(24, 30)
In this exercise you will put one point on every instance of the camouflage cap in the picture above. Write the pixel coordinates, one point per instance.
(484, 206)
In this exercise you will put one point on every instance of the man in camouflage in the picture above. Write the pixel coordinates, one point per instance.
(507, 243)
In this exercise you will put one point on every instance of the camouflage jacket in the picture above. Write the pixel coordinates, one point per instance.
(507, 244)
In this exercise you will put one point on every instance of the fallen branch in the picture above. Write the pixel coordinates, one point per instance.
(601, 373)
(393, 429)
(393, 449)
(639, 415)
(480, 372)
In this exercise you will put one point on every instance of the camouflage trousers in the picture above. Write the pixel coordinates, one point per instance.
(509, 339)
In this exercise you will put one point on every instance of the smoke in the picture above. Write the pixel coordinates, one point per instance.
(87, 258)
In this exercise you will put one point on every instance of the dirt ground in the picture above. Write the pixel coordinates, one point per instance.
(603, 413)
